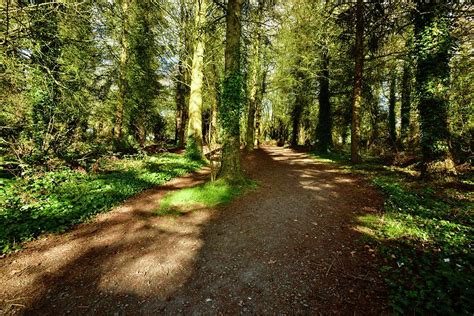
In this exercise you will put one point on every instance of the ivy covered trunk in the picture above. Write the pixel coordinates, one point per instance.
(231, 106)
(433, 45)
(324, 127)
(357, 91)
(195, 138)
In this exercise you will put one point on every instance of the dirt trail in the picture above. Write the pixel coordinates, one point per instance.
(290, 247)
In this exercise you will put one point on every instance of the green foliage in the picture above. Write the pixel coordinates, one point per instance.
(54, 201)
(429, 238)
(206, 195)
(434, 44)
(426, 234)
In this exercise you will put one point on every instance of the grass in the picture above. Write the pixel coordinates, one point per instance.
(426, 234)
(55, 201)
(206, 195)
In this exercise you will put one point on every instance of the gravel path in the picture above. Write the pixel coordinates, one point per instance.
(291, 247)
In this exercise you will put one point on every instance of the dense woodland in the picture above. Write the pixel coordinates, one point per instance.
(83, 79)
(89, 88)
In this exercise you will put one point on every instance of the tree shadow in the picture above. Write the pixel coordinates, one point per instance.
(288, 247)
(75, 201)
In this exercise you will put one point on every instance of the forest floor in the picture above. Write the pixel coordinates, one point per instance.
(292, 246)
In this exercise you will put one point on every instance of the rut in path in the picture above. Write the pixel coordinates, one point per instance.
(292, 246)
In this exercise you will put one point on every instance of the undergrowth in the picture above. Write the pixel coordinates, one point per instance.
(426, 235)
(209, 194)
(56, 200)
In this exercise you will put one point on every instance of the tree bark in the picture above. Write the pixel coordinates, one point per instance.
(231, 105)
(357, 92)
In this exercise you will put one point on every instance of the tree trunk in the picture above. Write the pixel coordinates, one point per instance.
(391, 110)
(181, 108)
(213, 139)
(357, 92)
(406, 104)
(255, 84)
(433, 46)
(182, 79)
(258, 110)
(324, 128)
(296, 115)
(195, 141)
(231, 105)
(122, 80)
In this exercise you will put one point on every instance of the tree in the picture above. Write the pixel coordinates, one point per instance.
(357, 91)
(182, 77)
(433, 45)
(298, 106)
(46, 92)
(405, 89)
(392, 99)
(142, 78)
(324, 127)
(231, 106)
(256, 78)
(195, 138)
(122, 78)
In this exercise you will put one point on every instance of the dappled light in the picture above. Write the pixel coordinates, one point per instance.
(144, 260)
(236, 157)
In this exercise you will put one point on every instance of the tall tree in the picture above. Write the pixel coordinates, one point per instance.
(391, 109)
(433, 45)
(298, 106)
(195, 139)
(122, 78)
(405, 89)
(231, 105)
(255, 79)
(357, 91)
(324, 127)
(142, 79)
(182, 77)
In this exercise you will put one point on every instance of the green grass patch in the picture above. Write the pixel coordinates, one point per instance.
(55, 201)
(426, 234)
(206, 195)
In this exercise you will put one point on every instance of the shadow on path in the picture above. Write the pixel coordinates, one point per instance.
(289, 247)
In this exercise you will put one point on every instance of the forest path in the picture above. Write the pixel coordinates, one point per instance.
(290, 247)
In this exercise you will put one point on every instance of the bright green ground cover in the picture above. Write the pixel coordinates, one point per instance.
(206, 195)
(55, 201)
(426, 233)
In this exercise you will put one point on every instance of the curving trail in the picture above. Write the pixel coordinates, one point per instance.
(291, 247)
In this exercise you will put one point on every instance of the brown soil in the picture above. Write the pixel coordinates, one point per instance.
(290, 247)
